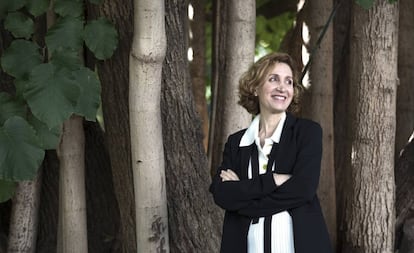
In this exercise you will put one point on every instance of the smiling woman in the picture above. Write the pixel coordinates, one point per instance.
(269, 174)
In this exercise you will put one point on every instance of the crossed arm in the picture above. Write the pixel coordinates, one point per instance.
(271, 193)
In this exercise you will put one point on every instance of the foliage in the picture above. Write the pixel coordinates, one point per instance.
(270, 32)
(366, 4)
(51, 83)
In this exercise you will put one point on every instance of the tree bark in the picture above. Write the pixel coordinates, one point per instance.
(147, 55)
(24, 219)
(194, 220)
(405, 91)
(320, 107)
(72, 226)
(102, 208)
(407, 245)
(239, 55)
(404, 201)
(370, 214)
(341, 108)
(198, 65)
(114, 76)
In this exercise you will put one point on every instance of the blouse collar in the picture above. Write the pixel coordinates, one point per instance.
(252, 131)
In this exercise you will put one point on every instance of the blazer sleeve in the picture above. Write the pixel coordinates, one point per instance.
(235, 195)
(301, 187)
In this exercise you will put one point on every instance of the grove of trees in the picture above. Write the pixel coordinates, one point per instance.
(113, 117)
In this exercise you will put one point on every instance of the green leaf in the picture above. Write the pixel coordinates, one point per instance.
(89, 99)
(37, 7)
(95, 1)
(20, 58)
(10, 107)
(65, 34)
(366, 4)
(20, 25)
(7, 189)
(52, 95)
(72, 8)
(20, 154)
(10, 5)
(66, 59)
(101, 38)
(48, 137)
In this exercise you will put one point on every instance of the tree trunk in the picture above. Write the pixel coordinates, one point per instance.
(239, 55)
(405, 91)
(370, 214)
(407, 245)
(404, 201)
(114, 76)
(341, 129)
(219, 38)
(72, 227)
(198, 65)
(147, 55)
(24, 219)
(320, 107)
(194, 220)
(102, 208)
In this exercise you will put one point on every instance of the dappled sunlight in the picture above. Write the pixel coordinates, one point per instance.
(305, 54)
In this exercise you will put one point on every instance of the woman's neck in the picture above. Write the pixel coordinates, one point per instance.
(268, 124)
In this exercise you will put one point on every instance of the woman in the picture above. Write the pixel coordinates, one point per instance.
(270, 171)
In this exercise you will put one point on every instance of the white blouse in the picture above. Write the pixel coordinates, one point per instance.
(282, 229)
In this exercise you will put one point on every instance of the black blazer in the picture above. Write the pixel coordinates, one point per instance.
(298, 153)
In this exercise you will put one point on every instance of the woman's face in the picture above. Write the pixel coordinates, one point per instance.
(276, 93)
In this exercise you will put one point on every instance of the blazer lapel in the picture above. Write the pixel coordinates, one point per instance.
(245, 153)
(284, 146)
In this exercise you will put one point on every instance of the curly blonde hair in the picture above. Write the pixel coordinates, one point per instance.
(255, 77)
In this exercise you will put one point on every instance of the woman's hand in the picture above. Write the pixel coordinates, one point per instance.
(280, 178)
(228, 175)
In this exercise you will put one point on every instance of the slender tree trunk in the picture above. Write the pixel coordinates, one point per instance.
(147, 55)
(370, 214)
(320, 107)
(114, 76)
(72, 227)
(198, 64)
(24, 219)
(405, 92)
(219, 38)
(102, 209)
(194, 221)
(341, 108)
(239, 55)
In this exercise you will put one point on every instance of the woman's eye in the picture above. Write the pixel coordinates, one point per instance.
(289, 81)
(273, 79)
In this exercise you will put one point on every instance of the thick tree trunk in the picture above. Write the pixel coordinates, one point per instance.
(146, 59)
(239, 55)
(114, 76)
(72, 226)
(102, 207)
(404, 201)
(320, 107)
(24, 219)
(369, 213)
(49, 205)
(407, 244)
(194, 220)
(405, 92)
(198, 64)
